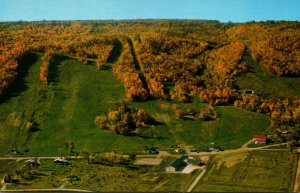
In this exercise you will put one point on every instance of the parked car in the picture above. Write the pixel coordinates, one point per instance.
(150, 151)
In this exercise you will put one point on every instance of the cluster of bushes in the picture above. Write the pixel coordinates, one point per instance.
(284, 111)
(109, 158)
(44, 70)
(205, 114)
(123, 120)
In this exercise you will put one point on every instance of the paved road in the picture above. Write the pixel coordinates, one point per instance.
(39, 157)
(196, 180)
(244, 149)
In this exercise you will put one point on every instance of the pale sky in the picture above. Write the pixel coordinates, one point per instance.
(222, 10)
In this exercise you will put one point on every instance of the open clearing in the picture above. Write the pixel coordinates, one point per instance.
(266, 83)
(148, 161)
(252, 171)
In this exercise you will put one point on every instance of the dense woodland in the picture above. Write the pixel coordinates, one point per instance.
(165, 60)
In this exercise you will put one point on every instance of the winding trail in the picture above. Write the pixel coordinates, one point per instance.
(246, 144)
(3, 187)
(297, 177)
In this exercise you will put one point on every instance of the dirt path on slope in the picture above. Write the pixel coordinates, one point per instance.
(297, 177)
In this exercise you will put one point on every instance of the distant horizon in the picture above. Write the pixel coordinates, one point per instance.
(144, 19)
(236, 11)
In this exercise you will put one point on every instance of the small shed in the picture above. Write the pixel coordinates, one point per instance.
(29, 161)
(170, 169)
(32, 162)
(59, 161)
(259, 139)
(212, 149)
(249, 92)
(192, 161)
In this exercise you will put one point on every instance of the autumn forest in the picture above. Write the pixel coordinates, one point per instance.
(178, 61)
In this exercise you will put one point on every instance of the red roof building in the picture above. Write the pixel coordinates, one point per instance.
(261, 138)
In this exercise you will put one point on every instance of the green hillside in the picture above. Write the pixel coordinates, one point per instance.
(267, 84)
(65, 110)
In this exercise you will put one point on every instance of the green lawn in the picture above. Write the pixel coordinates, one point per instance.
(267, 84)
(81, 93)
(234, 127)
(27, 100)
(254, 171)
(65, 110)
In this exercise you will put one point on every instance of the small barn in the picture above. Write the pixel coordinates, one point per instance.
(32, 162)
(177, 164)
(259, 139)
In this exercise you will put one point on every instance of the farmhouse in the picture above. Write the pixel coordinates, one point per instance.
(259, 138)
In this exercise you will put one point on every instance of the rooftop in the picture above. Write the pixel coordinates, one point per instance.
(260, 136)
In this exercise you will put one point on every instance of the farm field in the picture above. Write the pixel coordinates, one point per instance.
(65, 110)
(254, 171)
(102, 178)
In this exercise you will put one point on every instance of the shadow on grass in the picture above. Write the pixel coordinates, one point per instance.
(188, 118)
(32, 177)
(106, 67)
(158, 123)
(151, 137)
(90, 63)
(35, 127)
(144, 137)
(54, 68)
(41, 174)
(115, 52)
(19, 85)
(207, 119)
